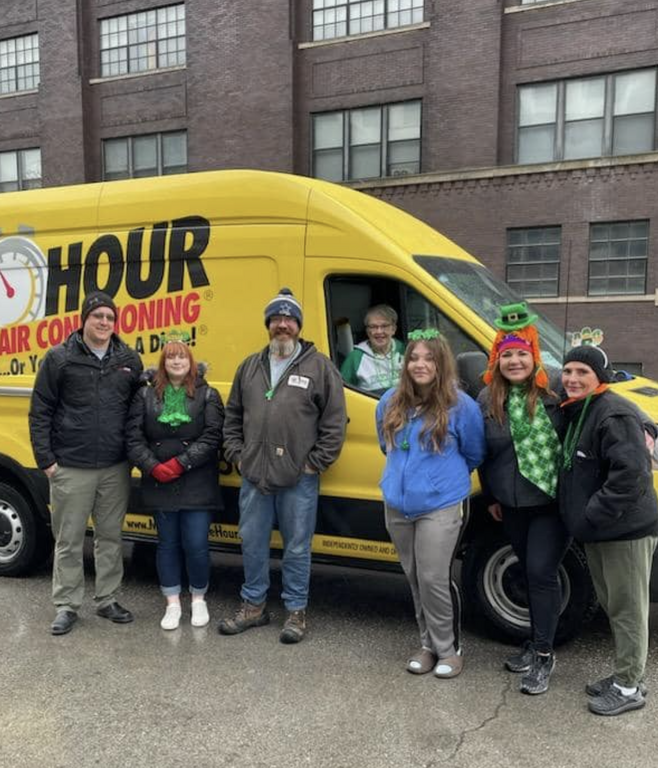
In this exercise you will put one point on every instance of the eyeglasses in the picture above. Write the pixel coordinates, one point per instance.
(378, 327)
(103, 316)
(287, 319)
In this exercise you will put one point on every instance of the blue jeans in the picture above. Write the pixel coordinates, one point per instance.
(295, 509)
(183, 536)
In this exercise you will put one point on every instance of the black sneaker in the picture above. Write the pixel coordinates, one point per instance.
(521, 660)
(614, 702)
(601, 686)
(536, 678)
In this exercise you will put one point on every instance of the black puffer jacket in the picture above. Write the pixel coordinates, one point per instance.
(195, 444)
(608, 493)
(80, 404)
(499, 474)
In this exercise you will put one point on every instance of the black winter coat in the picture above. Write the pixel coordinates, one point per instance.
(499, 474)
(80, 404)
(195, 444)
(608, 493)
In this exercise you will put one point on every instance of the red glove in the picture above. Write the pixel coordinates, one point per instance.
(162, 473)
(175, 467)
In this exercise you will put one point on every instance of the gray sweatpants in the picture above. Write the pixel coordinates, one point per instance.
(76, 495)
(425, 546)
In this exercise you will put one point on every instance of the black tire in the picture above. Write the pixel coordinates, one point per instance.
(22, 544)
(496, 595)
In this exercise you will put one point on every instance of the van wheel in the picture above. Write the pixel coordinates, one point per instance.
(495, 591)
(21, 546)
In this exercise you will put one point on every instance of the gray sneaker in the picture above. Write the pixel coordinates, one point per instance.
(247, 616)
(295, 627)
(536, 679)
(614, 702)
(521, 660)
(601, 686)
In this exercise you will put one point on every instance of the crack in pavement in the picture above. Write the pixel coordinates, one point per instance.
(467, 731)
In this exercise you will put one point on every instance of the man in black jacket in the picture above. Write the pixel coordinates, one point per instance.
(77, 426)
(607, 498)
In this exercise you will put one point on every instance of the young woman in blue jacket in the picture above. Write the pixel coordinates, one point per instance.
(433, 438)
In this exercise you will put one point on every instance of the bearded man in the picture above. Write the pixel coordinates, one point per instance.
(285, 425)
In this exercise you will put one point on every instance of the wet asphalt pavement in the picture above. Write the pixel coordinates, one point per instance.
(134, 696)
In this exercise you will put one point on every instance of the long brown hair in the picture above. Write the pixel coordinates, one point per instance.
(434, 405)
(161, 379)
(499, 390)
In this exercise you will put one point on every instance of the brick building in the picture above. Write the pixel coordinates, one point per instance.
(523, 129)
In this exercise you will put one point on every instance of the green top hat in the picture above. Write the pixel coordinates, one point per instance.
(513, 317)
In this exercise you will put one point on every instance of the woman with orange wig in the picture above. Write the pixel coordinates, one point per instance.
(519, 480)
(174, 433)
(433, 438)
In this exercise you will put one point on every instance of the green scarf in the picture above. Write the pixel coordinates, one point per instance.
(536, 443)
(174, 411)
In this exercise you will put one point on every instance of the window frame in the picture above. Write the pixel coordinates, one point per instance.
(561, 122)
(130, 140)
(385, 142)
(20, 168)
(12, 70)
(321, 6)
(516, 284)
(626, 258)
(126, 64)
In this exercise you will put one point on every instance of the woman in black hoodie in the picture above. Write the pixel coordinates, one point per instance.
(174, 434)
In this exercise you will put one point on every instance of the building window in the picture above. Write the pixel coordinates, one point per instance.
(143, 41)
(367, 143)
(533, 261)
(20, 170)
(19, 64)
(340, 18)
(587, 117)
(156, 154)
(618, 258)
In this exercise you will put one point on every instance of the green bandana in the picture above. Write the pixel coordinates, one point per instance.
(174, 411)
(535, 441)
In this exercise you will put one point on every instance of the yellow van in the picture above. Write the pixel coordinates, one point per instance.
(204, 253)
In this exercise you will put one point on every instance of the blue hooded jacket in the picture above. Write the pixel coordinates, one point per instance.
(420, 480)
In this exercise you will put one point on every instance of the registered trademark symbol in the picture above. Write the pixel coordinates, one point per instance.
(203, 330)
(208, 295)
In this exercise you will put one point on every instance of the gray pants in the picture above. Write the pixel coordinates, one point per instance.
(621, 572)
(76, 495)
(425, 546)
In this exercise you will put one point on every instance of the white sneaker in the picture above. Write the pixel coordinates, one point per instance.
(200, 615)
(171, 619)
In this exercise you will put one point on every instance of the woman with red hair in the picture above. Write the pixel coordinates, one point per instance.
(519, 478)
(174, 433)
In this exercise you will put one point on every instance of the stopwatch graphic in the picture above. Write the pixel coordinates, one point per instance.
(23, 278)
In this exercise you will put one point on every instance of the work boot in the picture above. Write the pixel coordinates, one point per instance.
(248, 616)
(295, 627)
(537, 677)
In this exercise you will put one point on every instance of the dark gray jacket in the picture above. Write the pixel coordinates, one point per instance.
(499, 474)
(80, 404)
(302, 424)
(195, 444)
(608, 493)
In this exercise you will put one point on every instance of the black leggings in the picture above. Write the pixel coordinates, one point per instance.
(540, 540)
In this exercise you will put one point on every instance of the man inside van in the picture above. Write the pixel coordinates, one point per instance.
(77, 417)
(285, 425)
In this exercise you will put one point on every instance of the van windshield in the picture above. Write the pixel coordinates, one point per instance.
(482, 292)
